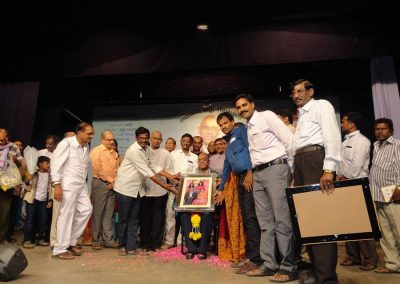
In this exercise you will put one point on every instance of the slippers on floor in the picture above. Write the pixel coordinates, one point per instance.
(385, 270)
(290, 276)
(348, 262)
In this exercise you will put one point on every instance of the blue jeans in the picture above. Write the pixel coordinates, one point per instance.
(128, 221)
(36, 214)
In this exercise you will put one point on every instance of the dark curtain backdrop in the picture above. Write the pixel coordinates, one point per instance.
(18, 109)
(118, 53)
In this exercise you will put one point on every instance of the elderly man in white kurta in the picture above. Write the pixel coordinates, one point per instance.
(69, 167)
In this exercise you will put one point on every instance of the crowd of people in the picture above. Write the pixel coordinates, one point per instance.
(253, 163)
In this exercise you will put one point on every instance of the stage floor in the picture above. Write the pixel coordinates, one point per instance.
(106, 266)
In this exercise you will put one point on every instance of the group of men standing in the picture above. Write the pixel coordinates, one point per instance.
(267, 157)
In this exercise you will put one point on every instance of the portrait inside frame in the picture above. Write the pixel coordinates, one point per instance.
(348, 214)
(196, 193)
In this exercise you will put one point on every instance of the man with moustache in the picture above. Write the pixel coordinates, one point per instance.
(197, 145)
(69, 165)
(184, 162)
(238, 161)
(270, 144)
(129, 188)
(355, 160)
(316, 148)
(105, 164)
(217, 160)
(385, 172)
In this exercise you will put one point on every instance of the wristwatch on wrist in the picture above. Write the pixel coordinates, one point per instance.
(329, 171)
(55, 183)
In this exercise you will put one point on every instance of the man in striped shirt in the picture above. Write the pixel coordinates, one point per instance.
(385, 171)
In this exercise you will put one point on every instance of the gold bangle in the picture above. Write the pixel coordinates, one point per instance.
(329, 171)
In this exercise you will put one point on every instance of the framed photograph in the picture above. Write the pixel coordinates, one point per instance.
(347, 214)
(196, 193)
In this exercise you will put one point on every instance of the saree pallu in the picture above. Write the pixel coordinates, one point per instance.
(231, 241)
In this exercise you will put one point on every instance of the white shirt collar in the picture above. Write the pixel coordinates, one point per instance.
(307, 106)
(347, 136)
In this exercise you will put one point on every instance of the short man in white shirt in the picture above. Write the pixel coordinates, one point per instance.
(152, 210)
(270, 143)
(287, 117)
(184, 162)
(129, 188)
(316, 148)
(51, 144)
(69, 166)
(355, 151)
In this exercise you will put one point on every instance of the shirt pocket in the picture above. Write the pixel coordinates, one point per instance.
(306, 128)
(258, 140)
(348, 154)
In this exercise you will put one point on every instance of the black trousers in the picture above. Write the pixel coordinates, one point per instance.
(206, 225)
(308, 168)
(250, 222)
(363, 252)
(152, 221)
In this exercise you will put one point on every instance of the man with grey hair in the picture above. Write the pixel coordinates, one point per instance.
(152, 210)
(105, 164)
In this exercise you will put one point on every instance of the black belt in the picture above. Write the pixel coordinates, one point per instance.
(308, 149)
(272, 163)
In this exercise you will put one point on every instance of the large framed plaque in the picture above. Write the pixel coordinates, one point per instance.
(345, 215)
(196, 193)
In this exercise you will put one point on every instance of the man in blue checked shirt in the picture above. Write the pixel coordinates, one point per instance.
(237, 159)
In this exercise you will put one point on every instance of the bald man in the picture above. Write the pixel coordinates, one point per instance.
(152, 210)
(105, 164)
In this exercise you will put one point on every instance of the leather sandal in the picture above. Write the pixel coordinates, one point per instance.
(368, 266)
(64, 256)
(348, 262)
(290, 276)
(75, 250)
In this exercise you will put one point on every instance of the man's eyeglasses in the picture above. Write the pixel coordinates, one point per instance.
(299, 92)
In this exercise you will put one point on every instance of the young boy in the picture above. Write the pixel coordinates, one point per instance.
(37, 195)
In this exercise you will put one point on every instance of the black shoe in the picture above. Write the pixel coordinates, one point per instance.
(303, 265)
(202, 256)
(189, 255)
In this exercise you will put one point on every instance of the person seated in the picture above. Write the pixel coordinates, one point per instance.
(197, 227)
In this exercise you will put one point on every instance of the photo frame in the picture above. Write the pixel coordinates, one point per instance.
(196, 193)
(347, 214)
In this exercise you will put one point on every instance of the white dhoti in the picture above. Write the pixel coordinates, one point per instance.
(75, 211)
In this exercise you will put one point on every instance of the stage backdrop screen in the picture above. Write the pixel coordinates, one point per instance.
(173, 120)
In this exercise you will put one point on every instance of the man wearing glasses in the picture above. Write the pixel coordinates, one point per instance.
(316, 149)
(105, 162)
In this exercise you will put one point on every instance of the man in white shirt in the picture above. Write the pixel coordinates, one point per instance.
(355, 160)
(152, 210)
(184, 162)
(316, 148)
(270, 143)
(51, 145)
(69, 165)
(129, 188)
(287, 117)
